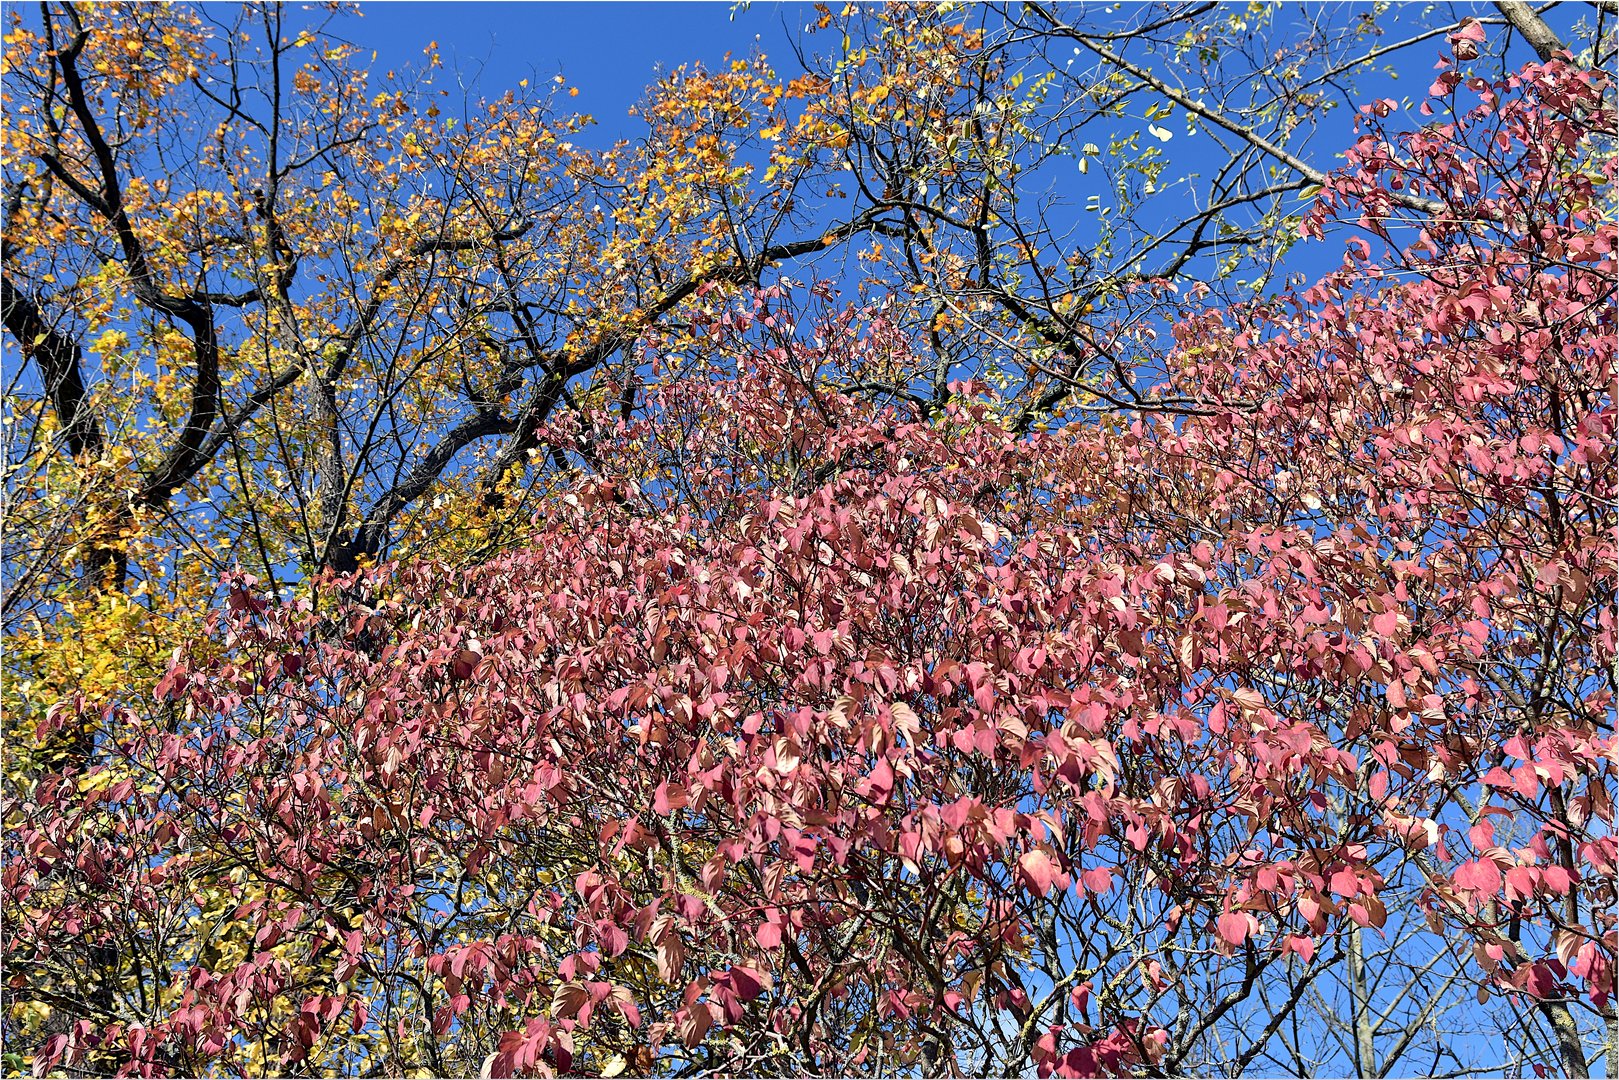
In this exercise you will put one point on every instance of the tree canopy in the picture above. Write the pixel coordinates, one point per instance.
(891, 570)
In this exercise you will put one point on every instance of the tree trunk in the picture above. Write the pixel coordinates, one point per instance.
(1361, 1008)
(1570, 1051)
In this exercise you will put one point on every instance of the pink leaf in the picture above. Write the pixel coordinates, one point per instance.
(1236, 927)
(1037, 870)
(748, 983)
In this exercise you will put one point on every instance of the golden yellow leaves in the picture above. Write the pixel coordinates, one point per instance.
(111, 341)
(810, 85)
(94, 646)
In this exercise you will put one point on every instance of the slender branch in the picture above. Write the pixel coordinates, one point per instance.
(1217, 118)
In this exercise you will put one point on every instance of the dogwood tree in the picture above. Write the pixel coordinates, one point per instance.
(818, 735)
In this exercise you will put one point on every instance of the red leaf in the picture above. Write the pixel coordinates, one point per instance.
(1038, 871)
(1479, 875)
(1236, 927)
(748, 983)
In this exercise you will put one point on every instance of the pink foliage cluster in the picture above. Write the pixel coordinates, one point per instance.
(812, 731)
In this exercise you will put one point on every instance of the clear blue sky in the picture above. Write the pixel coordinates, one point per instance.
(610, 51)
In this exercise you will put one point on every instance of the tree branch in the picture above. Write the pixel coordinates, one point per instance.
(1527, 21)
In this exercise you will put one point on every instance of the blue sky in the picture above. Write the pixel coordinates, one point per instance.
(610, 51)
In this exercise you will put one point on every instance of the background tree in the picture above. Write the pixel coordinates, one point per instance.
(1046, 166)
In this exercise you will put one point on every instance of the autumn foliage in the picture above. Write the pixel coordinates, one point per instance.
(813, 735)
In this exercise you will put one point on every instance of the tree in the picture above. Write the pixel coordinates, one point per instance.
(813, 733)
(351, 295)
(331, 335)
(1045, 165)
